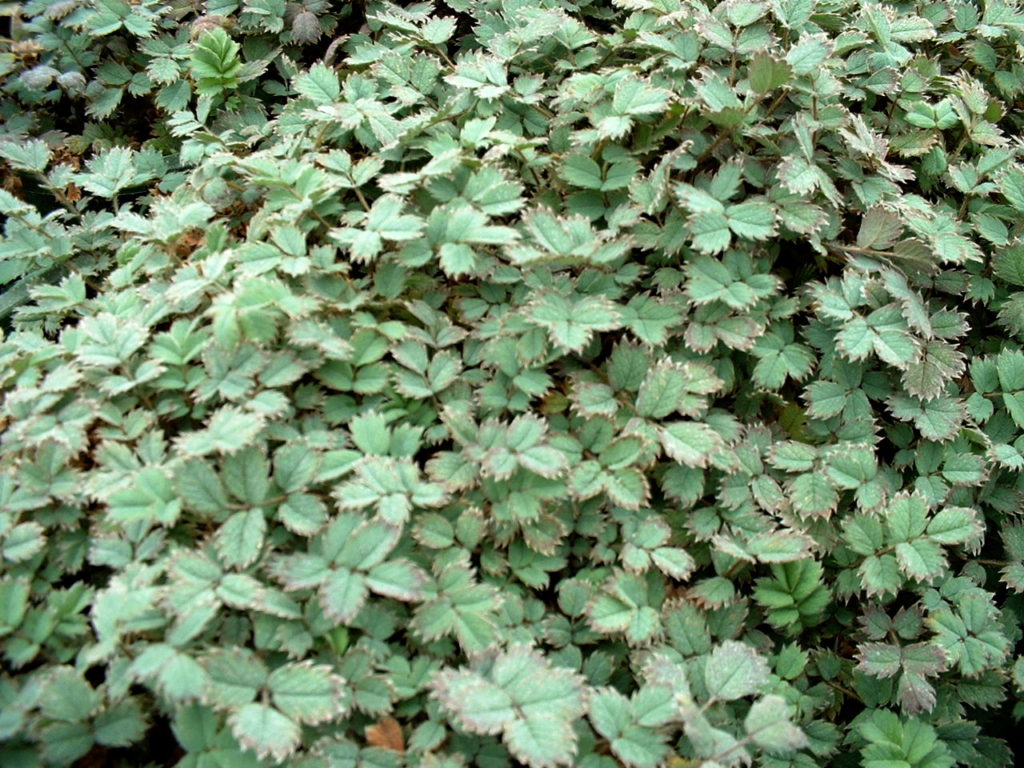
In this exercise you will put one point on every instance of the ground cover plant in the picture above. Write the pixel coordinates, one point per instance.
(526, 383)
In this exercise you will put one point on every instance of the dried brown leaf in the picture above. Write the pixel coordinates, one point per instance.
(386, 734)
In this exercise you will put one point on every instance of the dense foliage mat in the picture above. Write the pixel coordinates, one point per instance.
(533, 382)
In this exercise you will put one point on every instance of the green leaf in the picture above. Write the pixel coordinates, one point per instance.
(954, 525)
(636, 97)
(711, 232)
(265, 731)
(689, 442)
(920, 559)
(200, 487)
(235, 675)
(343, 594)
(661, 391)
(753, 220)
(572, 323)
(518, 694)
(151, 498)
(622, 607)
(64, 743)
(319, 84)
(779, 546)
(927, 377)
(541, 742)
(711, 280)
(648, 319)
(938, 419)
(480, 705)
(1008, 264)
(215, 62)
(32, 156)
(674, 562)
(766, 73)
(970, 635)
(809, 53)
(246, 475)
(734, 670)
(398, 579)
(1011, 184)
(609, 711)
(616, 718)
(239, 540)
(794, 594)
(13, 604)
(308, 694)
(1010, 370)
(892, 741)
(228, 430)
(121, 725)
(111, 172)
(856, 339)
(67, 696)
(813, 495)
(879, 229)
(880, 575)
(463, 224)
(778, 361)
(880, 659)
(581, 171)
(370, 433)
(179, 677)
(769, 724)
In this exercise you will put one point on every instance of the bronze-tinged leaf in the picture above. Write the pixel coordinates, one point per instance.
(386, 734)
